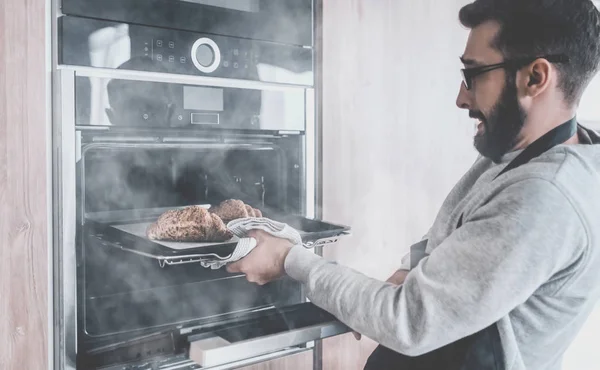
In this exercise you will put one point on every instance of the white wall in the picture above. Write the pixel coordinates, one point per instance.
(589, 108)
(584, 353)
(394, 142)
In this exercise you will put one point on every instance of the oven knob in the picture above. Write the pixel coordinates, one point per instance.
(206, 55)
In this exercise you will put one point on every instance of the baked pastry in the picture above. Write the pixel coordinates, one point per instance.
(190, 224)
(232, 209)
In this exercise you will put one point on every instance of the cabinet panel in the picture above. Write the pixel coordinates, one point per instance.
(23, 189)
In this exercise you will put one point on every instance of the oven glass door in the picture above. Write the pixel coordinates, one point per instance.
(283, 21)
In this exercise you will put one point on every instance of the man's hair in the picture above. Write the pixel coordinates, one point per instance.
(533, 28)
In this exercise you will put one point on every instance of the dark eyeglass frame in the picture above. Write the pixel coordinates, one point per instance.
(468, 74)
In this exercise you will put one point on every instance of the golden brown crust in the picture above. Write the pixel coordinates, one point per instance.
(232, 209)
(191, 224)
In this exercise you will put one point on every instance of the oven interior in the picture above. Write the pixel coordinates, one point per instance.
(123, 292)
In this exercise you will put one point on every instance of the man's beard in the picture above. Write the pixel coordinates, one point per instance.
(502, 126)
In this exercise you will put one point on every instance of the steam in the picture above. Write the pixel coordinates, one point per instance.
(125, 293)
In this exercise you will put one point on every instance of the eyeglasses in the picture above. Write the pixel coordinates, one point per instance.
(468, 74)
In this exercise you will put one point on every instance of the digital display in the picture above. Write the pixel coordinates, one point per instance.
(202, 98)
(252, 6)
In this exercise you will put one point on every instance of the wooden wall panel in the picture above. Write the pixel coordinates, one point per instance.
(301, 361)
(394, 141)
(23, 201)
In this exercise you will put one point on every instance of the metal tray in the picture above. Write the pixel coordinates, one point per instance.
(125, 234)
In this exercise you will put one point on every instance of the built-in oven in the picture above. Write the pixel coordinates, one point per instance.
(139, 129)
(281, 21)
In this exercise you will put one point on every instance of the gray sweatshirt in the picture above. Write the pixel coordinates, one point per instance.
(527, 258)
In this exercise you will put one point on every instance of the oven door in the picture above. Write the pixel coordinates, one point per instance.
(282, 21)
(244, 340)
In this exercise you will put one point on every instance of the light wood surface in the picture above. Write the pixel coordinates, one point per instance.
(394, 141)
(301, 361)
(23, 201)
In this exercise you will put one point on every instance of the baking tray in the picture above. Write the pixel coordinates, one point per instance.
(129, 235)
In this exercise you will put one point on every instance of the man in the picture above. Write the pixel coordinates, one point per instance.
(512, 260)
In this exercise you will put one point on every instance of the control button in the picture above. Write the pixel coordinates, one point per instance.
(159, 43)
(146, 48)
(171, 58)
(183, 59)
(236, 65)
(236, 52)
(226, 64)
(180, 117)
(145, 116)
(171, 45)
(206, 55)
(159, 57)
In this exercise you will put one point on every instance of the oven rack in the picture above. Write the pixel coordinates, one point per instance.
(164, 261)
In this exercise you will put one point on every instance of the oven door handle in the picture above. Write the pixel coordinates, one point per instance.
(210, 349)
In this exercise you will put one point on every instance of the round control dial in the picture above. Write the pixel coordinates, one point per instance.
(206, 55)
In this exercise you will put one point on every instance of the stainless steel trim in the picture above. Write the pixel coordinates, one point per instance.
(158, 145)
(49, 25)
(255, 347)
(187, 140)
(318, 144)
(64, 220)
(289, 132)
(310, 153)
(92, 128)
(179, 79)
(113, 139)
(318, 114)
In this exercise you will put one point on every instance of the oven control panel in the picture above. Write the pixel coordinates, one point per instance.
(210, 55)
(97, 43)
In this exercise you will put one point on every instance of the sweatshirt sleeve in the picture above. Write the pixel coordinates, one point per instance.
(502, 254)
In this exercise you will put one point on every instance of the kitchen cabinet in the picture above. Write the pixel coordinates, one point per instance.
(24, 216)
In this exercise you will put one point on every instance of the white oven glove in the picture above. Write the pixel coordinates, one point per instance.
(242, 226)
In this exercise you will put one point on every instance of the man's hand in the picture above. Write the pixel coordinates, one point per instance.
(396, 279)
(266, 261)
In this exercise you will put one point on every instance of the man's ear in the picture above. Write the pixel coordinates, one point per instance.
(536, 77)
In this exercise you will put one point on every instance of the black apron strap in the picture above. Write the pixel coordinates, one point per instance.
(482, 350)
(552, 138)
(549, 140)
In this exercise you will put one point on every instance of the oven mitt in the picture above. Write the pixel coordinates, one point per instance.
(242, 226)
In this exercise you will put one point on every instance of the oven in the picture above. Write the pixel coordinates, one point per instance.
(136, 135)
(281, 21)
